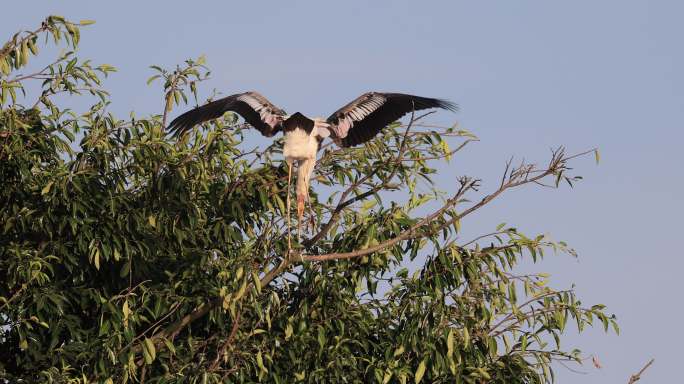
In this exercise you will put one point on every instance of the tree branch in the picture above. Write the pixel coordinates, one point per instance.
(343, 203)
(13, 43)
(172, 330)
(637, 376)
(517, 177)
(229, 340)
(407, 234)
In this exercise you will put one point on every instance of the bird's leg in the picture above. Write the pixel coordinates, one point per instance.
(301, 198)
(287, 218)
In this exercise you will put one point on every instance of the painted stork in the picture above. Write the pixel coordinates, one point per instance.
(354, 124)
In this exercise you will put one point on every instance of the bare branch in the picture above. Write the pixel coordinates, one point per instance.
(637, 376)
(518, 176)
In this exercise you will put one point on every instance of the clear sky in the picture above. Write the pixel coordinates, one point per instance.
(529, 75)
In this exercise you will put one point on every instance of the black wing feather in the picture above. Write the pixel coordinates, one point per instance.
(234, 103)
(362, 119)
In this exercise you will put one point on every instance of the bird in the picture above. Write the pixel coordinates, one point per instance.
(355, 123)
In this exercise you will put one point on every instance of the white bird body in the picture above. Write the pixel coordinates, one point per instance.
(300, 145)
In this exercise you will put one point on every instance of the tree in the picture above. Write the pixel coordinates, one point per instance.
(127, 256)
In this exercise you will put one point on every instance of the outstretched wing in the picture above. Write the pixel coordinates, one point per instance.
(362, 119)
(253, 107)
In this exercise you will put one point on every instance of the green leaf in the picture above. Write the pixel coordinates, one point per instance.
(368, 205)
(125, 269)
(240, 292)
(96, 258)
(597, 156)
(446, 150)
(420, 372)
(169, 346)
(279, 202)
(398, 351)
(260, 362)
(46, 188)
(321, 337)
(33, 47)
(256, 281)
(152, 78)
(450, 343)
(126, 312)
(386, 378)
(4, 67)
(24, 53)
(149, 351)
(86, 22)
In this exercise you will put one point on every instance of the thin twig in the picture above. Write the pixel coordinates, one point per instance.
(483, 237)
(446, 155)
(571, 369)
(228, 342)
(637, 376)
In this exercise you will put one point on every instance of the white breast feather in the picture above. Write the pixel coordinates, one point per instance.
(299, 145)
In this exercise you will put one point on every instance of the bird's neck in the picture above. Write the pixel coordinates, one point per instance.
(304, 171)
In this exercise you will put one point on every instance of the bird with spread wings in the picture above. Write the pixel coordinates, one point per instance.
(354, 124)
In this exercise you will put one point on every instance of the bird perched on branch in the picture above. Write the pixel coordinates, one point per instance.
(353, 124)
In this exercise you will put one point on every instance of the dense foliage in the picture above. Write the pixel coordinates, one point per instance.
(128, 256)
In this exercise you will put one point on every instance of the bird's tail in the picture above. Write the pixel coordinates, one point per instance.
(304, 170)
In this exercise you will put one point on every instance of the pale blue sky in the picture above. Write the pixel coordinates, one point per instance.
(529, 75)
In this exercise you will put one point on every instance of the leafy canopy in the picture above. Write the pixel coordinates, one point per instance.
(127, 256)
